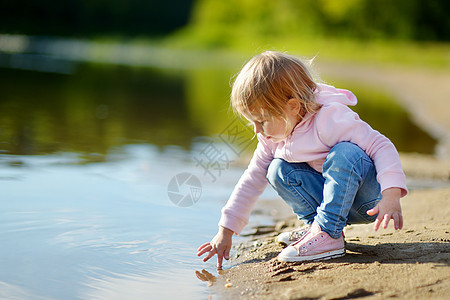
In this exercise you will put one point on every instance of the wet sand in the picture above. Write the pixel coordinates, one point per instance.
(412, 263)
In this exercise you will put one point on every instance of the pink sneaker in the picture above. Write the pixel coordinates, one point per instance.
(319, 246)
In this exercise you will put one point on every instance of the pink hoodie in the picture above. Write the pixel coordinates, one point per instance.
(310, 142)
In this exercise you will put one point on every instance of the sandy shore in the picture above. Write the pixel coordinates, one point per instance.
(412, 263)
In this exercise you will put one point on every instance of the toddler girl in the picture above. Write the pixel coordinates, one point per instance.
(331, 167)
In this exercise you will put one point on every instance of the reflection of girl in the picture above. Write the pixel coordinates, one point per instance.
(332, 168)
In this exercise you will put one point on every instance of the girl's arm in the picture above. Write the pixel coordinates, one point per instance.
(236, 212)
(339, 124)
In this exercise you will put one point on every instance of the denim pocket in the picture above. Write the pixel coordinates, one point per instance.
(365, 207)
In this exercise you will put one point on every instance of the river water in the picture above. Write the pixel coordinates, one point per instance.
(105, 230)
(111, 177)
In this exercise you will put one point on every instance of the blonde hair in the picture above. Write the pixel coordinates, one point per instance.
(268, 81)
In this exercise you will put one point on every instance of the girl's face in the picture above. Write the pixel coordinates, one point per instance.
(276, 129)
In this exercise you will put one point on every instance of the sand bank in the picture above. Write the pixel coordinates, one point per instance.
(413, 263)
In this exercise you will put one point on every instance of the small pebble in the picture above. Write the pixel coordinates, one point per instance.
(228, 279)
(228, 285)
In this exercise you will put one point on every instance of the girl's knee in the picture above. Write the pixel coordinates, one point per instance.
(275, 171)
(346, 149)
(345, 152)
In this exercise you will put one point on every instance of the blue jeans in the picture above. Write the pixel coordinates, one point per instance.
(340, 195)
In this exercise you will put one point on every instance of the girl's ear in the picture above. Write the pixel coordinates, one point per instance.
(293, 107)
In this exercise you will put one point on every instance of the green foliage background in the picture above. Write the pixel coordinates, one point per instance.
(229, 22)
(226, 22)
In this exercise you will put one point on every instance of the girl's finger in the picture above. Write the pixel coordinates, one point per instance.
(200, 253)
(400, 221)
(372, 211)
(210, 254)
(204, 250)
(386, 219)
(396, 219)
(204, 245)
(227, 254)
(377, 223)
(219, 260)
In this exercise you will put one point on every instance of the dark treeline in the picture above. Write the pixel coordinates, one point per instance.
(78, 18)
(360, 19)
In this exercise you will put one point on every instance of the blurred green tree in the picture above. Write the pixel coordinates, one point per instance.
(220, 22)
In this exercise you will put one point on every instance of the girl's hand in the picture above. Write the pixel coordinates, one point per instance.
(220, 245)
(388, 208)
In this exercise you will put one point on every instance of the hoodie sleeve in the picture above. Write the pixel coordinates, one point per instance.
(337, 123)
(236, 212)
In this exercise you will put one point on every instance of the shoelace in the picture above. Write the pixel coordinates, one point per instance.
(297, 234)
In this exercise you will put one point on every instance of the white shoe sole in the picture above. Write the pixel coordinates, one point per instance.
(321, 256)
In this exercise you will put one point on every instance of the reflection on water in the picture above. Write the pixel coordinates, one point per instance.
(97, 108)
(206, 276)
(85, 162)
(91, 111)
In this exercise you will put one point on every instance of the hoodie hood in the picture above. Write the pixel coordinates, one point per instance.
(326, 94)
